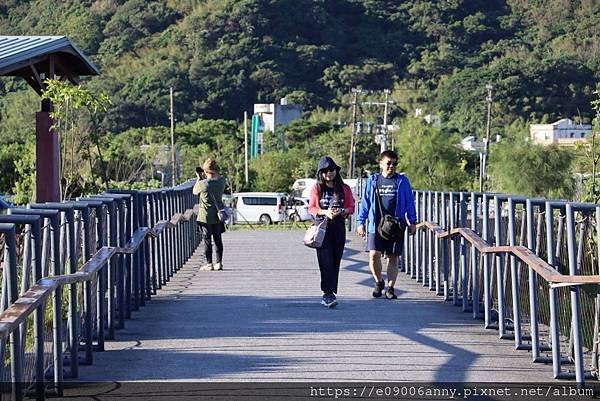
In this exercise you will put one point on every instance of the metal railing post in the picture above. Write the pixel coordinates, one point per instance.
(156, 279)
(428, 246)
(170, 234)
(552, 293)
(487, 292)
(515, 279)
(414, 267)
(533, 284)
(444, 247)
(463, 254)
(454, 250)
(475, 258)
(499, 262)
(145, 270)
(575, 289)
(10, 264)
(164, 238)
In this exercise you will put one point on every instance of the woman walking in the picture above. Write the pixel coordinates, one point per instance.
(210, 191)
(331, 199)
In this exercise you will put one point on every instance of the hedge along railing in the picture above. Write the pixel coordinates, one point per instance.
(493, 270)
(99, 255)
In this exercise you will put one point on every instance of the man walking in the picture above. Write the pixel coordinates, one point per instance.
(395, 199)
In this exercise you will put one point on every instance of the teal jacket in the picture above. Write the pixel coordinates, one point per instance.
(405, 202)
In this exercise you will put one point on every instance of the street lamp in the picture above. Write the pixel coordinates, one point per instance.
(162, 177)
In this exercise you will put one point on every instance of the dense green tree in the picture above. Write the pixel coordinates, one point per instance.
(275, 170)
(17, 116)
(522, 168)
(220, 57)
(132, 22)
(432, 158)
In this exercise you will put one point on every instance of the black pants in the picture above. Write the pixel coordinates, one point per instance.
(330, 254)
(209, 233)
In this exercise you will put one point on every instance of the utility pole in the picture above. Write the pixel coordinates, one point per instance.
(484, 158)
(384, 129)
(353, 137)
(174, 167)
(246, 146)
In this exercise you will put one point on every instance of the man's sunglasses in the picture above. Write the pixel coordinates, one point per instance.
(328, 170)
(392, 163)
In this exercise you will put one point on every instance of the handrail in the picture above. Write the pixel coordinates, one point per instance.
(540, 266)
(15, 314)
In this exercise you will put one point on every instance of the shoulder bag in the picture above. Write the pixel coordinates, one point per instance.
(223, 213)
(313, 238)
(389, 227)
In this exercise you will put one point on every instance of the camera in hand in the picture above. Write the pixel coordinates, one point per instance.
(199, 170)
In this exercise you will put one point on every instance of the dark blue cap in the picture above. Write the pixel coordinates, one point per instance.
(327, 162)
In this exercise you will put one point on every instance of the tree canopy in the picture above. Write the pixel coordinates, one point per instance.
(542, 58)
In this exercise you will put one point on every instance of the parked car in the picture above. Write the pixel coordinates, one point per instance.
(297, 209)
(261, 207)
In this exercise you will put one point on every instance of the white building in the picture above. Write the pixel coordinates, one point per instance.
(272, 114)
(471, 144)
(266, 117)
(562, 133)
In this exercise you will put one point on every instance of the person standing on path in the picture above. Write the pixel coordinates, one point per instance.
(331, 199)
(210, 191)
(396, 199)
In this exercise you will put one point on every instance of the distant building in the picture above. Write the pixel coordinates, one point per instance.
(267, 116)
(471, 144)
(562, 133)
(272, 114)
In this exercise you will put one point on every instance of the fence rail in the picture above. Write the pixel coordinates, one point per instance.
(74, 271)
(527, 267)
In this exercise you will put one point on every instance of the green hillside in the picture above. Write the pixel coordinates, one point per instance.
(541, 56)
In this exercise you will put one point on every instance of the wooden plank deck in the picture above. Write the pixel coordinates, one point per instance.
(260, 320)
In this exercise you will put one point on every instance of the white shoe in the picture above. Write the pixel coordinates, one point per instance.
(218, 266)
(206, 267)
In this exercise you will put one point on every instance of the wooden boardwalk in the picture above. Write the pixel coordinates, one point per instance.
(260, 320)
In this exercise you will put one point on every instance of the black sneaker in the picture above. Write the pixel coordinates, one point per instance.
(329, 301)
(379, 286)
(389, 293)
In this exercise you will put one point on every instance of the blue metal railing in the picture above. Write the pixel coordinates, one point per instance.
(105, 255)
(527, 267)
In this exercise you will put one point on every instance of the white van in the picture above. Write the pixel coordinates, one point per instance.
(262, 207)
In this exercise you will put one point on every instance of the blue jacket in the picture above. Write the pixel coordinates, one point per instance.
(405, 202)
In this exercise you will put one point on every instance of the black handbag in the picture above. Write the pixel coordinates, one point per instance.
(389, 227)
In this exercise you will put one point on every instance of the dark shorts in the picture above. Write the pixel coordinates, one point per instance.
(376, 243)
